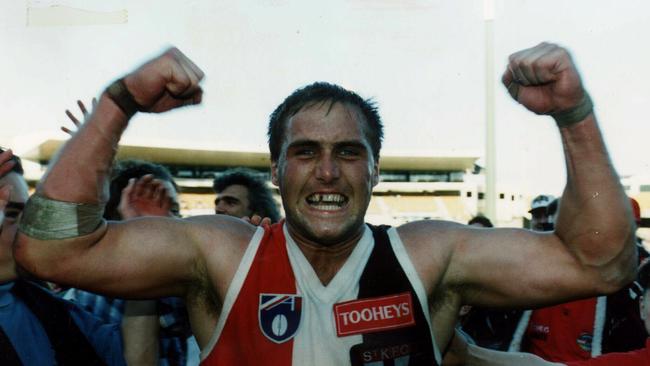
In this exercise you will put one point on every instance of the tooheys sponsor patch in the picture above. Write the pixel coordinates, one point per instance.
(374, 314)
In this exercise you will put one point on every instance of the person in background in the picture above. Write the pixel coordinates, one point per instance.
(242, 192)
(36, 327)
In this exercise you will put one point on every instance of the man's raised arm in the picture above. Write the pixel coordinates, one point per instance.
(62, 235)
(592, 249)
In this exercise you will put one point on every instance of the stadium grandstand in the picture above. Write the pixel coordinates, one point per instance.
(411, 187)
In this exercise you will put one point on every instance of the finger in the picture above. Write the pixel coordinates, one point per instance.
(513, 90)
(552, 63)
(126, 191)
(530, 62)
(94, 103)
(190, 64)
(83, 109)
(517, 74)
(256, 219)
(141, 185)
(194, 81)
(196, 98)
(153, 189)
(5, 164)
(67, 130)
(72, 118)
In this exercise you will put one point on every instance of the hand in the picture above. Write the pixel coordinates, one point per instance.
(257, 220)
(74, 119)
(169, 81)
(145, 196)
(543, 79)
(6, 164)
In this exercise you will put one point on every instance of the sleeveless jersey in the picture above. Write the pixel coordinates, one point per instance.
(276, 311)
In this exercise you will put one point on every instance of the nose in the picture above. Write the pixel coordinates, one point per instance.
(327, 169)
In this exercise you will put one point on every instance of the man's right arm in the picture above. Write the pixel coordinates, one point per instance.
(148, 256)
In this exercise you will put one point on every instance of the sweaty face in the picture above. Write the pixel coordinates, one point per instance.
(12, 214)
(233, 201)
(325, 172)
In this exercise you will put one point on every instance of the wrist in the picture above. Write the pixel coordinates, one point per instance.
(575, 114)
(120, 95)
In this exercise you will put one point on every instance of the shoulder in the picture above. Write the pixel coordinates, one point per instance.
(431, 233)
(430, 245)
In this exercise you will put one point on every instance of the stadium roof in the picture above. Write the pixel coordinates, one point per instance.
(215, 158)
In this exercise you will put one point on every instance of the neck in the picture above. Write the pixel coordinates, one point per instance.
(326, 260)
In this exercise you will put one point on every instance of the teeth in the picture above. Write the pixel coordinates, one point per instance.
(328, 199)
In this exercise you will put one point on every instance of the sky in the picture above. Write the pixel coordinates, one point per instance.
(423, 62)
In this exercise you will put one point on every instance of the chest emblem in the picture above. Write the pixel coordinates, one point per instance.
(279, 316)
(374, 314)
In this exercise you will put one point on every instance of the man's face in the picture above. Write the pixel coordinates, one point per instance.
(325, 172)
(12, 214)
(539, 219)
(233, 201)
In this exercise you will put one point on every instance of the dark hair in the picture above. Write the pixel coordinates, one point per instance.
(260, 198)
(323, 92)
(482, 220)
(18, 166)
(125, 170)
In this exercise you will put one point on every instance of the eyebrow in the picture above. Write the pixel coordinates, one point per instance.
(349, 143)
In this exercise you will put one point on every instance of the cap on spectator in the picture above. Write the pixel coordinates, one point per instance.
(636, 209)
(541, 201)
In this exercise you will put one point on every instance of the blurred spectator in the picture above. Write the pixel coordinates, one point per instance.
(242, 192)
(539, 213)
(36, 327)
(481, 221)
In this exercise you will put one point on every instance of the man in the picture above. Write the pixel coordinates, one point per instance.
(539, 213)
(471, 355)
(140, 188)
(315, 290)
(242, 192)
(37, 328)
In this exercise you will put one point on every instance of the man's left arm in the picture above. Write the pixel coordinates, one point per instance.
(592, 249)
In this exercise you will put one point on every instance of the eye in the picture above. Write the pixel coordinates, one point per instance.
(349, 152)
(305, 152)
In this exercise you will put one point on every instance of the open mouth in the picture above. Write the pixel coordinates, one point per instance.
(327, 201)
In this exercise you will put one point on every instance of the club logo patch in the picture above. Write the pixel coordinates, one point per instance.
(374, 314)
(279, 316)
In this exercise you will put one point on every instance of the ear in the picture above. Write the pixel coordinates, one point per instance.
(375, 173)
(274, 174)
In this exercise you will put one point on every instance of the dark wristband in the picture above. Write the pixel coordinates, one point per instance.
(576, 113)
(121, 96)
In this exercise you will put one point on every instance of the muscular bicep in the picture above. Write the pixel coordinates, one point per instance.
(496, 267)
(517, 268)
(139, 258)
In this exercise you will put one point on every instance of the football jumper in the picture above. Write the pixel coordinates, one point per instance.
(277, 312)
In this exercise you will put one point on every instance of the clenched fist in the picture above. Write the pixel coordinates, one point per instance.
(169, 81)
(544, 79)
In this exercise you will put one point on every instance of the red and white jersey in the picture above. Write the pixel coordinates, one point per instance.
(277, 311)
